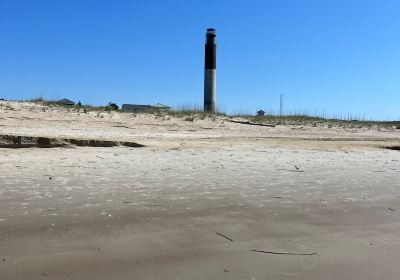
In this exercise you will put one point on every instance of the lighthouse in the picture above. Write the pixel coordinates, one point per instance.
(210, 63)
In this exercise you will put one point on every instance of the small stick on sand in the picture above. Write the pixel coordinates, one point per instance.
(250, 123)
(226, 237)
(284, 253)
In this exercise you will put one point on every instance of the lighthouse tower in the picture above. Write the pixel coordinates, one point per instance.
(210, 86)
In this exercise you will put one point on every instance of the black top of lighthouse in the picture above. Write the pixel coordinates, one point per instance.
(210, 50)
(210, 35)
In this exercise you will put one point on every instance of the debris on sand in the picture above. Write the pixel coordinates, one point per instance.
(224, 236)
(297, 169)
(284, 253)
(250, 123)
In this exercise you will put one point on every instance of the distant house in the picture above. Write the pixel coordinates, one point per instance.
(135, 108)
(161, 106)
(66, 102)
(261, 113)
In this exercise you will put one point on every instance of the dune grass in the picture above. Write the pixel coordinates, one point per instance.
(85, 107)
(193, 112)
(310, 120)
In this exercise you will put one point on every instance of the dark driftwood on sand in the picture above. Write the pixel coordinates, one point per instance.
(250, 123)
(224, 236)
(284, 253)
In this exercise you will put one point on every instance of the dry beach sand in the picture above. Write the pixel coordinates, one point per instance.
(203, 199)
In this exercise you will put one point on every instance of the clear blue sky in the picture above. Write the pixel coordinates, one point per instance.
(339, 56)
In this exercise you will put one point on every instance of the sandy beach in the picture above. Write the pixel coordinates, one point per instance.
(202, 199)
